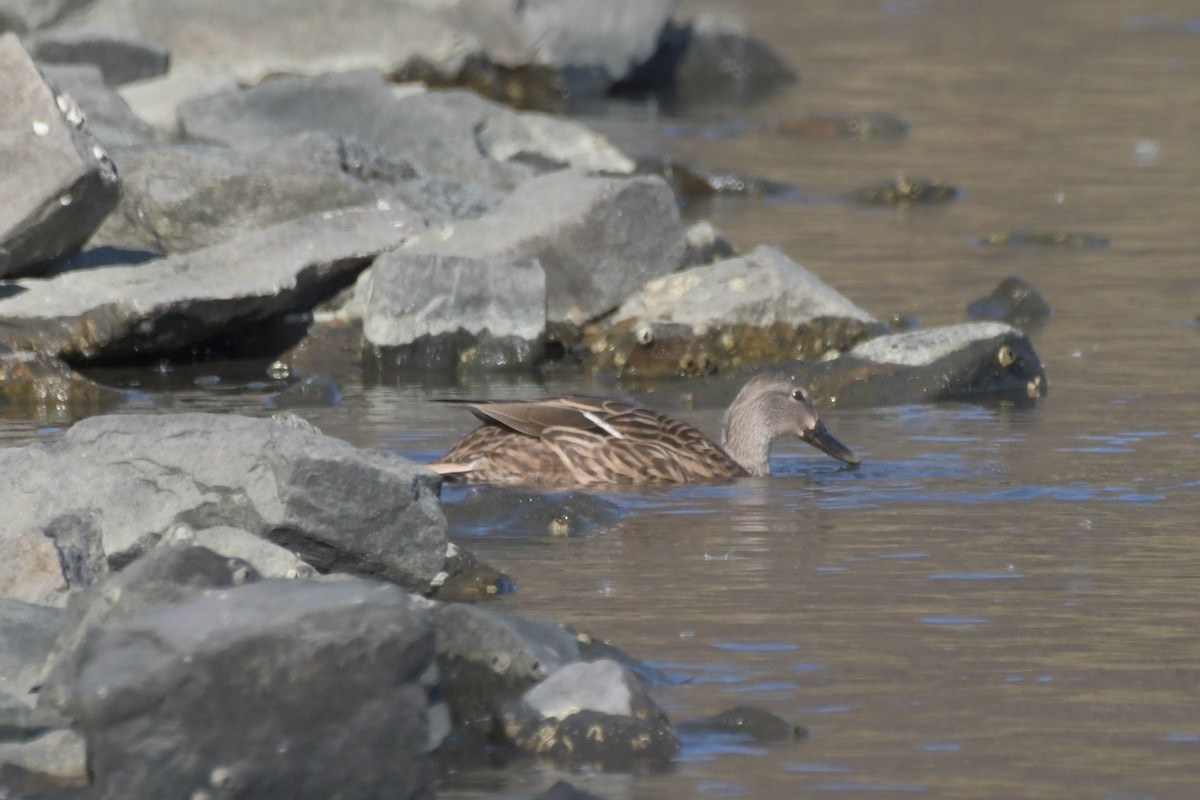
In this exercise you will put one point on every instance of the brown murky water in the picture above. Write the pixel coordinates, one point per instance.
(1003, 602)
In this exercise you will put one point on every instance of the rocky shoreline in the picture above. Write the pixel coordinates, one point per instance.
(213, 606)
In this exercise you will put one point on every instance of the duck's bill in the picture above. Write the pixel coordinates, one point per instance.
(820, 438)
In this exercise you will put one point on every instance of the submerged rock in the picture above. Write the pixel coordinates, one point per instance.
(868, 127)
(505, 511)
(38, 386)
(694, 182)
(1042, 238)
(56, 181)
(745, 722)
(905, 191)
(1014, 301)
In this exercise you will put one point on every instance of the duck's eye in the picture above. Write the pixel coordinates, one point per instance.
(798, 394)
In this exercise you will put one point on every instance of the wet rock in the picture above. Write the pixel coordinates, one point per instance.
(197, 697)
(267, 559)
(160, 308)
(593, 714)
(868, 127)
(338, 508)
(419, 302)
(905, 191)
(182, 198)
(466, 578)
(745, 722)
(970, 361)
(27, 635)
(56, 180)
(756, 309)
(103, 35)
(487, 658)
(451, 134)
(597, 239)
(1041, 238)
(1014, 301)
(592, 648)
(109, 117)
(53, 760)
(711, 60)
(37, 386)
(496, 510)
(695, 182)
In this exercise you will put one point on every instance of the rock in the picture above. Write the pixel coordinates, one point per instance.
(314, 391)
(860, 127)
(905, 191)
(711, 60)
(561, 790)
(466, 578)
(695, 182)
(275, 689)
(451, 134)
(591, 714)
(597, 239)
(503, 511)
(489, 657)
(268, 560)
(30, 569)
(109, 117)
(38, 386)
(973, 360)
(706, 244)
(1023, 237)
(761, 308)
(178, 199)
(434, 310)
(105, 36)
(23, 16)
(1014, 301)
(159, 308)
(56, 180)
(53, 760)
(338, 508)
(27, 635)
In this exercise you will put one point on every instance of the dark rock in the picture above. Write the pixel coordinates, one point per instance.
(971, 361)
(1043, 238)
(313, 391)
(1014, 301)
(37, 386)
(198, 697)
(452, 134)
(338, 508)
(694, 182)
(416, 297)
(267, 559)
(466, 578)
(77, 540)
(905, 191)
(745, 722)
(109, 117)
(561, 790)
(710, 60)
(598, 239)
(182, 198)
(27, 635)
(161, 308)
(593, 714)
(488, 658)
(706, 244)
(56, 180)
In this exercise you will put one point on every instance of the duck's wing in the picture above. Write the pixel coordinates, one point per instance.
(534, 417)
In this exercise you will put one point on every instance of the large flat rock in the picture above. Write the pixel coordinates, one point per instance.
(156, 308)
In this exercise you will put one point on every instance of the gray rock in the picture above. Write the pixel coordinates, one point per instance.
(56, 181)
(109, 117)
(53, 760)
(451, 134)
(722, 63)
(39, 386)
(1014, 301)
(106, 36)
(760, 289)
(278, 689)
(591, 713)
(337, 507)
(30, 568)
(161, 307)
(27, 635)
(415, 297)
(182, 198)
(598, 239)
(23, 16)
(490, 657)
(267, 559)
(972, 360)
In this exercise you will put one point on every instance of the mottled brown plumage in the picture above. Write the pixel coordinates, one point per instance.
(580, 441)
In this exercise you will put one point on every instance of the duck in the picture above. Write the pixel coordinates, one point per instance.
(575, 440)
